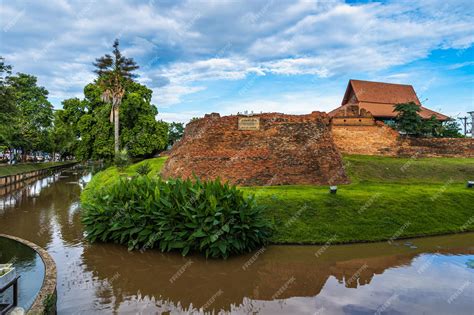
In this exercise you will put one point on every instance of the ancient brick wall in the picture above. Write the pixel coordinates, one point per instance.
(377, 139)
(383, 140)
(437, 147)
(286, 149)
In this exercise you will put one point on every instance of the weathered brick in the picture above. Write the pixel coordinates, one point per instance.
(287, 149)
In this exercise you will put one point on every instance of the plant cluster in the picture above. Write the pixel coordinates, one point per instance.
(411, 123)
(121, 159)
(204, 216)
(144, 169)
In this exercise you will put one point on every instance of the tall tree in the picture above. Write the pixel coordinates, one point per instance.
(35, 113)
(8, 109)
(114, 72)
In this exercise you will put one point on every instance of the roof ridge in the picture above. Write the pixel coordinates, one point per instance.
(379, 82)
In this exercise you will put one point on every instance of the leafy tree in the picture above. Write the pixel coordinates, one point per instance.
(175, 132)
(450, 129)
(114, 73)
(35, 113)
(8, 109)
(141, 134)
(431, 127)
(408, 120)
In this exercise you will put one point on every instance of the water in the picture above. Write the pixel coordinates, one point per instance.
(421, 276)
(29, 265)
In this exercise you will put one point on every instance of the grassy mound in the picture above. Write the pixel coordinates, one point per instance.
(389, 198)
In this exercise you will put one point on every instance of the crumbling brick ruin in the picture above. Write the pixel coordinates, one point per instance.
(263, 149)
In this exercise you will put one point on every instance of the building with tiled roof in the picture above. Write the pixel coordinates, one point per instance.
(379, 99)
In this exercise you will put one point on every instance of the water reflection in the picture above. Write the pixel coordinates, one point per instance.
(427, 275)
(29, 265)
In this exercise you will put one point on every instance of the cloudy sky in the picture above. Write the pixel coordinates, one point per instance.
(260, 55)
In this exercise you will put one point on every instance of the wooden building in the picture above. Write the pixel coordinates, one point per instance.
(363, 98)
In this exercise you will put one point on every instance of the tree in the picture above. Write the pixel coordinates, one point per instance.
(114, 73)
(175, 132)
(431, 127)
(141, 134)
(450, 129)
(8, 109)
(35, 113)
(408, 121)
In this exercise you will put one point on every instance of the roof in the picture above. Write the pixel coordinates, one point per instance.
(380, 92)
(380, 98)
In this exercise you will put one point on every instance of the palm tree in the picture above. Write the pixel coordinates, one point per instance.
(113, 74)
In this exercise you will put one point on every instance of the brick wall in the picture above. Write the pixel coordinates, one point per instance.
(383, 140)
(287, 149)
(437, 147)
(377, 139)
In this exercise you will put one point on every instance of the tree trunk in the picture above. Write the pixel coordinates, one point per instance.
(116, 129)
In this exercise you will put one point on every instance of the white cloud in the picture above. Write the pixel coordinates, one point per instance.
(184, 45)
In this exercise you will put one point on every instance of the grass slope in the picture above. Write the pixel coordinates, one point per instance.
(388, 198)
(27, 167)
(111, 174)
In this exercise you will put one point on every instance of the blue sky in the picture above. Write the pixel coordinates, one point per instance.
(261, 55)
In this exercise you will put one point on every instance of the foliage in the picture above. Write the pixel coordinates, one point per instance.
(144, 169)
(7, 104)
(114, 72)
(141, 134)
(175, 132)
(408, 120)
(433, 191)
(451, 129)
(121, 159)
(205, 216)
(411, 123)
(49, 304)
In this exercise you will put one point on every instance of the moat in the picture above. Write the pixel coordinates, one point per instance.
(432, 275)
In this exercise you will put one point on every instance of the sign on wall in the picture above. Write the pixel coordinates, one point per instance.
(249, 123)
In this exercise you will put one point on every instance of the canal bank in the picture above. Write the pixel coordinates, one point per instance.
(13, 174)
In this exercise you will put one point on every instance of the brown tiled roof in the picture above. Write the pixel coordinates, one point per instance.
(382, 110)
(380, 98)
(379, 92)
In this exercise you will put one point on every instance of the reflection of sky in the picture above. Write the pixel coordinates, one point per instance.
(32, 189)
(31, 278)
(424, 287)
(432, 284)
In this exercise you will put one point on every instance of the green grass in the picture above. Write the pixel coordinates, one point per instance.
(388, 198)
(27, 167)
(111, 174)
(408, 170)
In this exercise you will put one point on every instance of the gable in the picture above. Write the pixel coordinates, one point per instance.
(379, 92)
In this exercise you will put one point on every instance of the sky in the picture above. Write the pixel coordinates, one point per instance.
(263, 55)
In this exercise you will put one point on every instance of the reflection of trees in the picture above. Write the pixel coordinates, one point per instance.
(148, 273)
(15, 252)
(31, 211)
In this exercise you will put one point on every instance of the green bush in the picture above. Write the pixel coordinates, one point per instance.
(205, 216)
(144, 169)
(121, 159)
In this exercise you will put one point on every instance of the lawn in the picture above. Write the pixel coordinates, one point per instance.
(388, 198)
(27, 167)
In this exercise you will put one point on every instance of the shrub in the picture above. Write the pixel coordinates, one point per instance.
(144, 169)
(205, 216)
(121, 159)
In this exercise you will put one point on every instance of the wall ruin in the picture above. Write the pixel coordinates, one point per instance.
(281, 150)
